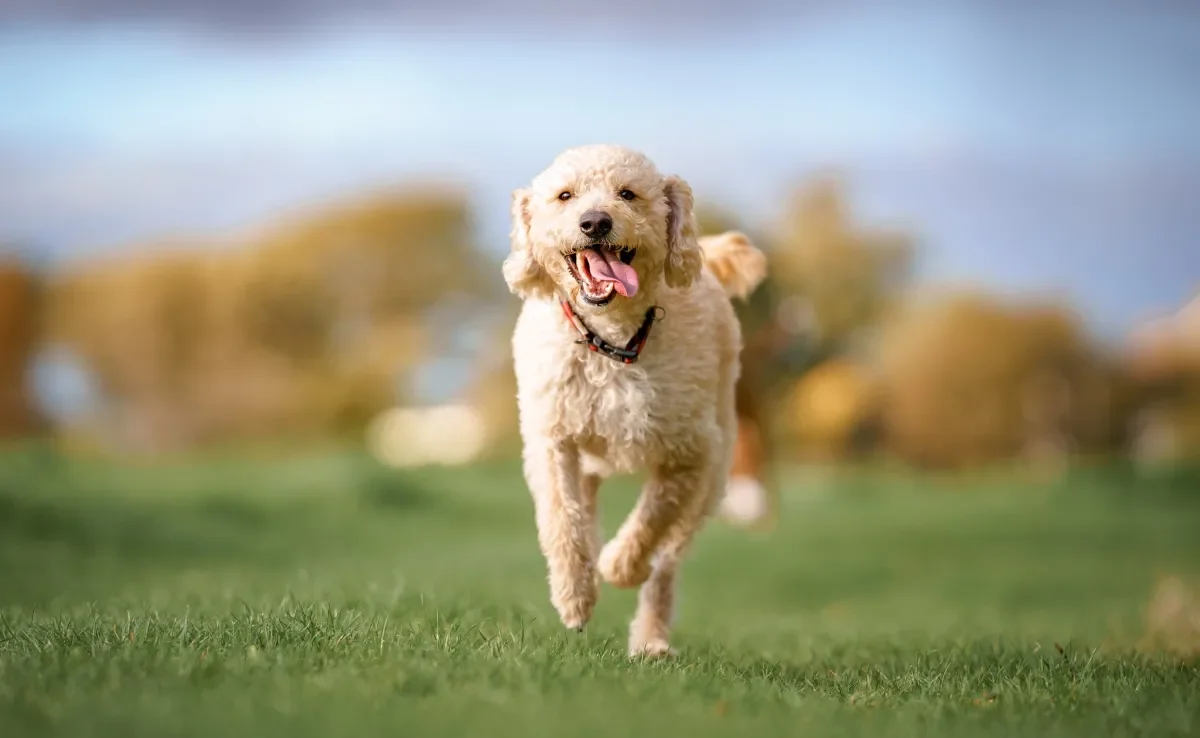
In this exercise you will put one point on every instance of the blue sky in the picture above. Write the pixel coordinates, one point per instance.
(1032, 150)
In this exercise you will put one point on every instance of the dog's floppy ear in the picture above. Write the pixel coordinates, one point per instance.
(684, 259)
(524, 275)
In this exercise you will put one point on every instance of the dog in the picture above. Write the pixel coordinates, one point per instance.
(626, 353)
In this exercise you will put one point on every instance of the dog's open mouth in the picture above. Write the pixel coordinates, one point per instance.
(603, 272)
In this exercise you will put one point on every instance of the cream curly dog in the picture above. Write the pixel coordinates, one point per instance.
(626, 354)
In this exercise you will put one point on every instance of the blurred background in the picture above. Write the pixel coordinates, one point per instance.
(254, 223)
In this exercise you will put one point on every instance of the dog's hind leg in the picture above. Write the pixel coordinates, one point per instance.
(650, 631)
(565, 504)
(627, 560)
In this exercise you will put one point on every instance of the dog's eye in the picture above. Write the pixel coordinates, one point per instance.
(627, 194)
(564, 196)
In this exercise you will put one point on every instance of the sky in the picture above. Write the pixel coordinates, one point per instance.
(1032, 148)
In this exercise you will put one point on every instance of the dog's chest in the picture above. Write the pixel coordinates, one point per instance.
(607, 401)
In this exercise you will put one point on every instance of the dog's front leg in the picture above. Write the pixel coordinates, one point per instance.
(566, 530)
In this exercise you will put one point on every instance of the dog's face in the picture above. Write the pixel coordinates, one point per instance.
(599, 226)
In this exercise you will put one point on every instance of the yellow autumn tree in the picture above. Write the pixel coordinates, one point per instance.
(18, 341)
(969, 379)
(837, 276)
(833, 279)
(302, 327)
(1163, 361)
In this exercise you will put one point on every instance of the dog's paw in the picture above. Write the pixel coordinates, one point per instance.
(574, 617)
(653, 648)
(576, 604)
(621, 569)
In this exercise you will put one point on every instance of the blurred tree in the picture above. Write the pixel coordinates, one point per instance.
(968, 380)
(394, 253)
(286, 307)
(829, 283)
(1163, 363)
(19, 308)
(362, 281)
(493, 393)
(134, 324)
(756, 311)
(837, 278)
(303, 329)
(829, 405)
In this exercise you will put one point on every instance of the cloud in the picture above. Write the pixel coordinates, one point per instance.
(237, 15)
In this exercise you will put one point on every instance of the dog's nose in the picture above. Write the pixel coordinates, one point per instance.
(595, 223)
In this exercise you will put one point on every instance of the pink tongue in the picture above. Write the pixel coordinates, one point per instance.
(605, 266)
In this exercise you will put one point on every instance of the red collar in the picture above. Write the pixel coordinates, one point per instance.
(627, 355)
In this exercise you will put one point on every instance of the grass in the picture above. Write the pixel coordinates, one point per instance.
(327, 596)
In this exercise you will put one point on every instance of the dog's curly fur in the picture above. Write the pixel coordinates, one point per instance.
(584, 416)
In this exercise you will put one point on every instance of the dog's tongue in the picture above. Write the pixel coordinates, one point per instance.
(605, 266)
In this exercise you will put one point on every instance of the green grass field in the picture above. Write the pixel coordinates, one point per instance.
(325, 596)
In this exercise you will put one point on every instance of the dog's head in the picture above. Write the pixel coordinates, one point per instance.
(600, 225)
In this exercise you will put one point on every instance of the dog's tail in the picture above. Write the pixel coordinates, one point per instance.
(735, 262)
